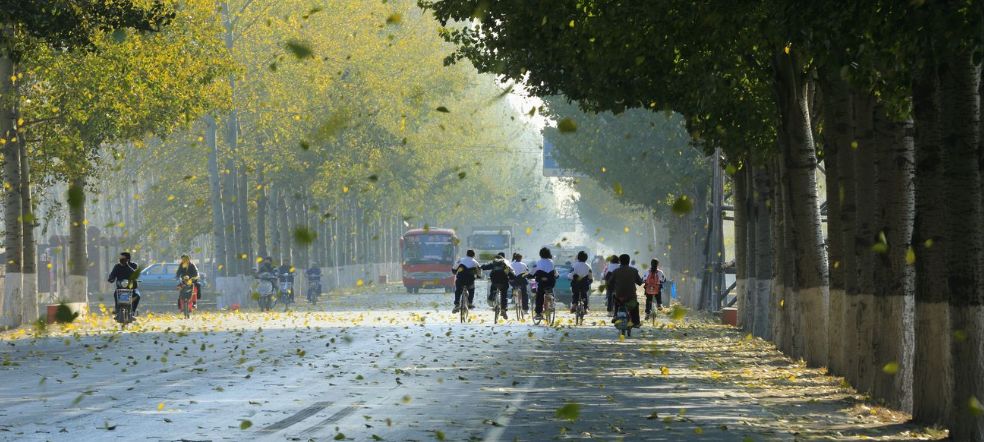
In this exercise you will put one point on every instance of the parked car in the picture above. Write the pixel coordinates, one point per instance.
(160, 277)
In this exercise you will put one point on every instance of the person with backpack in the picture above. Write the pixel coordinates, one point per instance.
(654, 280)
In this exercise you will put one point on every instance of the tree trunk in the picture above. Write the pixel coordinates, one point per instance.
(893, 284)
(847, 202)
(276, 249)
(778, 310)
(261, 214)
(78, 259)
(230, 196)
(285, 229)
(859, 322)
(740, 198)
(961, 112)
(215, 186)
(242, 223)
(932, 378)
(10, 304)
(29, 297)
(763, 198)
(799, 157)
(838, 120)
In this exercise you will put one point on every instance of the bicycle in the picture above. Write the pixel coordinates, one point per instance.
(517, 299)
(579, 311)
(463, 306)
(622, 320)
(549, 309)
(497, 307)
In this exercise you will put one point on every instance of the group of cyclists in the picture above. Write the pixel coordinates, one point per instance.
(619, 274)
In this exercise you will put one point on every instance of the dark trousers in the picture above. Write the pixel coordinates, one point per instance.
(541, 288)
(579, 291)
(610, 297)
(460, 287)
(524, 288)
(633, 308)
(503, 289)
(649, 301)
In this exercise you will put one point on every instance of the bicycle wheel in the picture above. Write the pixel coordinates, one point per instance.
(186, 307)
(518, 304)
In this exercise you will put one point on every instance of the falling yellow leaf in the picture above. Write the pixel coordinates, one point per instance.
(160, 406)
(664, 370)
(170, 197)
(787, 48)
(626, 229)
(529, 231)
(359, 283)
(910, 256)
(891, 368)
(345, 189)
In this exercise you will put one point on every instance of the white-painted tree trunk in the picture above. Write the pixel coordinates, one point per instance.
(29, 298)
(10, 305)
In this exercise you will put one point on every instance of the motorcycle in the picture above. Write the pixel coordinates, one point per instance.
(187, 296)
(124, 302)
(265, 286)
(314, 290)
(286, 290)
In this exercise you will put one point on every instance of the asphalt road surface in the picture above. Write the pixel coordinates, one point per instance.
(384, 365)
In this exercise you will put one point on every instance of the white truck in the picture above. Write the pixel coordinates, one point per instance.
(487, 241)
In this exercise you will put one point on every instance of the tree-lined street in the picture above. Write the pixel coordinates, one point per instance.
(396, 367)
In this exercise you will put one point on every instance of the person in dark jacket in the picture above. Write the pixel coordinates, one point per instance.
(465, 271)
(187, 268)
(499, 274)
(125, 271)
(624, 281)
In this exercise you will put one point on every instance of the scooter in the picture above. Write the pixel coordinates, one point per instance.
(187, 296)
(265, 288)
(124, 302)
(314, 290)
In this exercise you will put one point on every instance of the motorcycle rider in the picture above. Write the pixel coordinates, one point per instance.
(313, 275)
(188, 268)
(499, 273)
(520, 271)
(125, 270)
(285, 273)
(465, 271)
(266, 266)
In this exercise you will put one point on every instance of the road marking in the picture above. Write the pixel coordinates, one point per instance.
(339, 415)
(296, 417)
(503, 419)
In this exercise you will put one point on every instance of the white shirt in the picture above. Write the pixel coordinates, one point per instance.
(659, 276)
(519, 267)
(581, 269)
(546, 265)
(468, 262)
(610, 267)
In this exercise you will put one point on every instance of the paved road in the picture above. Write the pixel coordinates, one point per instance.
(391, 366)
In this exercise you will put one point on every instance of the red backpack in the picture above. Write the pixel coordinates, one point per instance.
(652, 282)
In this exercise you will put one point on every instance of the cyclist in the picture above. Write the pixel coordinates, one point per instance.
(580, 276)
(625, 279)
(187, 268)
(125, 270)
(546, 277)
(465, 272)
(499, 273)
(613, 264)
(520, 271)
(655, 280)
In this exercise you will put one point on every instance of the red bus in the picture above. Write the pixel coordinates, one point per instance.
(428, 255)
